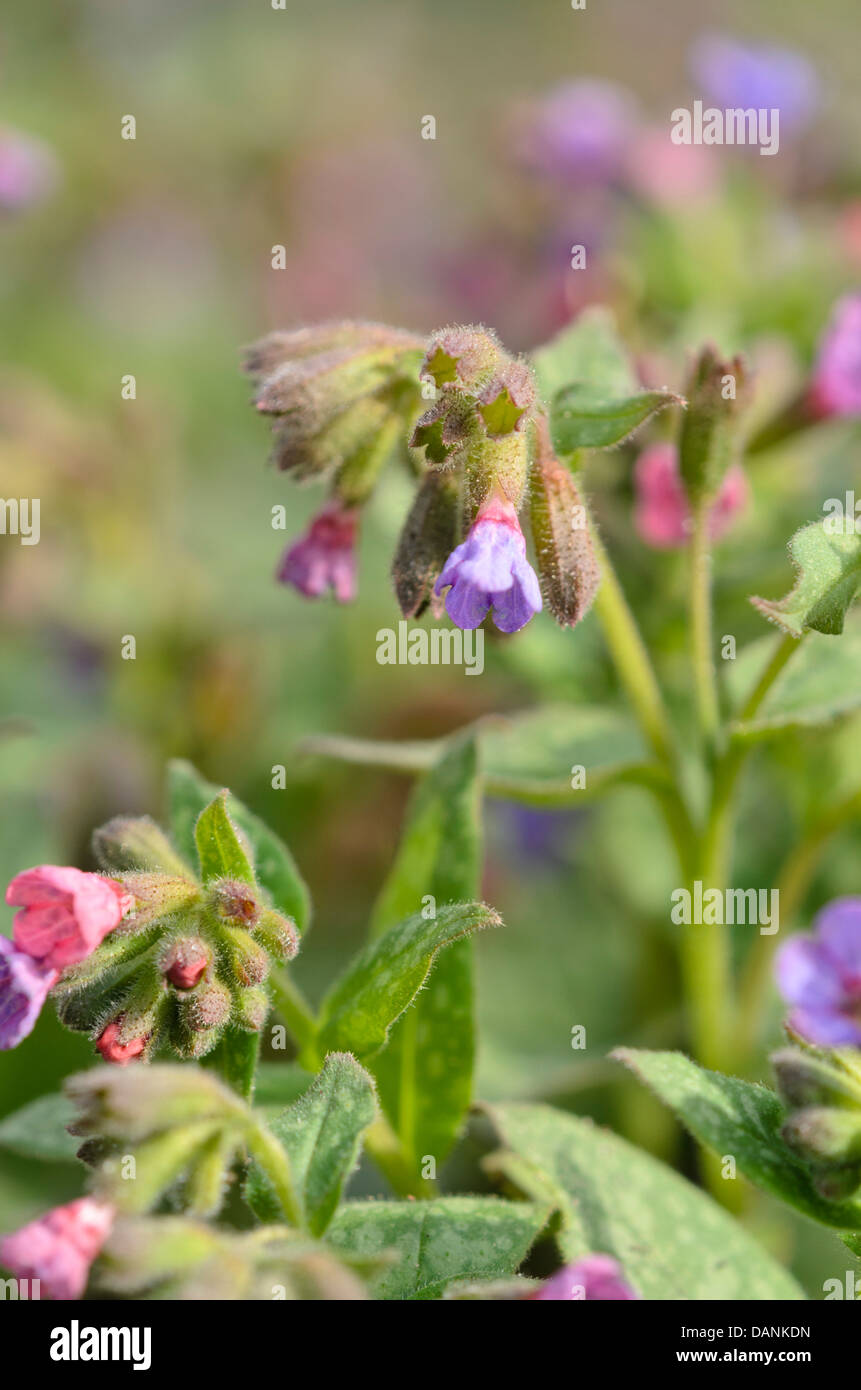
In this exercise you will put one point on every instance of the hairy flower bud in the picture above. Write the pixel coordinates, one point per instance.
(112, 1049)
(251, 1008)
(236, 902)
(184, 961)
(129, 843)
(248, 960)
(716, 393)
(427, 539)
(277, 934)
(462, 358)
(567, 567)
(132, 1105)
(205, 1007)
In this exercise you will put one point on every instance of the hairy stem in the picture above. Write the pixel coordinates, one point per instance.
(702, 654)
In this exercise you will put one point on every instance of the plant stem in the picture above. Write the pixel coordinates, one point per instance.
(705, 678)
(297, 1013)
(782, 652)
(386, 1150)
(631, 658)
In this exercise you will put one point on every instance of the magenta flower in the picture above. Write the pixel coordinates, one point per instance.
(24, 986)
(820, 976)
(59, 1248)
(836, 385)
(325, 557)
(490, 570)
(65, 913)
(663, 514)
(596, 1277)
(580, 132)
(735, 74)
(112, 1050)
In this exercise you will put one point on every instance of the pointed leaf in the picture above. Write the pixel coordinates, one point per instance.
(583, 416)
(39, 1130)
(425, 1073)
(274, 865)
(321, 1134)
(739, 1118)
(439, 1241)
(829, 573)
(219, 848)
(672, 1241)
(385, 977)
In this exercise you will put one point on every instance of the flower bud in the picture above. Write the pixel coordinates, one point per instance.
(236, 902)
(249, 961)
(112, 1049)
(428, 537)
(204, 1007)
(463, 359)
(129, 843)
(277, 934)
(567, 567)
(251, 1008)
(806, 1078)
(716, 392)
(184, 961)
(157, 896)
(821, 1132)
(132, 1105)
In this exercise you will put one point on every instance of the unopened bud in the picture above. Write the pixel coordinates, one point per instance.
(129, 843)
(805, 1079)
(565, 558)
(249, 960)
(184, 962)
(462, 358)
(113, 1050)
(709, 443)
(277, 934)
(251, 1008)
(426, 541)
(820, 1132)
(236, 902)
(207, 1006)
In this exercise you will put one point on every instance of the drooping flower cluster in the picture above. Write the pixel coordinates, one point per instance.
(341, 395)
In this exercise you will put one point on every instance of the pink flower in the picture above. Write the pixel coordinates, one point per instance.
(59, 1248)
(836, 385)
(112, 1050)
(490, 570)
(671, 175)
(663, 513)
(28, 171)
(65, 913)
(596, 1278)
(325, 556)
(24, 987)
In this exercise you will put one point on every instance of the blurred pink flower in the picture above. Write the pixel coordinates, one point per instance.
(325, 556)
(663, 514)
(28, 171)
(596, 1278)
(669, 174)
(836, 385)
(65, 913)
(59, 1248)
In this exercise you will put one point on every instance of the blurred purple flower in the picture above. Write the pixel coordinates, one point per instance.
(490, 570)
(594, 1278)
(579, 132)
(24, 986)
(325, 556)
(820, 976)
(735, 74)
(28, 171)
(836, 385)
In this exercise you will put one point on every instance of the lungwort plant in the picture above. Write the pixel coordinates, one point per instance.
(211, 1173)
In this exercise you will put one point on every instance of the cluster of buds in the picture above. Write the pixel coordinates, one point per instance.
(155, 957)
(822, 1090)
(342, 395)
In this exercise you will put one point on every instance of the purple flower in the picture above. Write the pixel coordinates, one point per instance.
(325, 556)
(579, 132)
(736, 74)
(490, 570)
(596, 1277)
(820, 976)
(836, 385)
(24, 985)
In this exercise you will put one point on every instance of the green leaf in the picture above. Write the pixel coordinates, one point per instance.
(274, 865)
(820, 684)
(671, 1239)
(829, 573)
(739, 1118)
(219, 848)
(582, 416)
(587, 350)
(385, 977)
(279, 1084)
(526, 756)
(38, 1130)
(321, 1134)
(439, 1241)
(425, 1073)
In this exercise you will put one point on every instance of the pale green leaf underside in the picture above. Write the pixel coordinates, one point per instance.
(829, 573)
(739, 1118)
(821, 683)
(38, 1130)
(524, 757)
(438, 1241)
(672, 1241)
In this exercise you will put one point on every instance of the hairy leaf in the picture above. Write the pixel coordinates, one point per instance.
(829, 573)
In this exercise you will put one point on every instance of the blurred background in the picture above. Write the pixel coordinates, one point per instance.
(302, 127)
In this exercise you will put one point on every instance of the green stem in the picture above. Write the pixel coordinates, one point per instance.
(631, 658)
(705, 677)
(782, 652)
(386, 1150)
(297, 1013)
